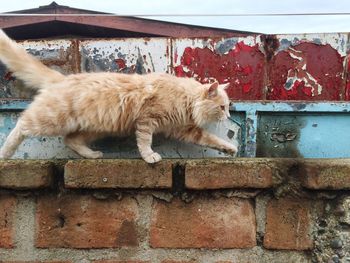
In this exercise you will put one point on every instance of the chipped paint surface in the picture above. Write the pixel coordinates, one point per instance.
(337, 41)
(280, 67)
(236, 61)
(57, 54)
(125, 55)
(306, 71)
(347, 85)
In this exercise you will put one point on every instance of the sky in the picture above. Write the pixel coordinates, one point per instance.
(271, 25)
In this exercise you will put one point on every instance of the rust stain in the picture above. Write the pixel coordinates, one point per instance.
(347, 85)
(121, 64)
(271, 44)
(8, 76)
(76, 57)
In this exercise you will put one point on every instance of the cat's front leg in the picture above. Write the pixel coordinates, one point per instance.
(144, 135)
(201, 137)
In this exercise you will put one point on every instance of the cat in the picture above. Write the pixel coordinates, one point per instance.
(86, 106)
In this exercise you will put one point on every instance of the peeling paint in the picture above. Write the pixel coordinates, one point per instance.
(236, 61)
(56, 54)
(125, 55)
(306, 72)
(336, 40)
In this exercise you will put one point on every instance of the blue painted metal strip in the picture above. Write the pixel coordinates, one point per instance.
(244, 106)
(18, 105)
(291, 106)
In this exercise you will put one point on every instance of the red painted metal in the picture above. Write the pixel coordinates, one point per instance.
(242, 67)
(307, 71)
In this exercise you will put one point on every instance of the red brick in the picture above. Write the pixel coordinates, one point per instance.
(203, 223)
(81, 221)
(288, 224)
(326, 174)
(216, 174)
(117, 174)
(7, 204)
(26, 174)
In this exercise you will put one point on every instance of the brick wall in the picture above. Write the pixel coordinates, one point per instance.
(215, 211)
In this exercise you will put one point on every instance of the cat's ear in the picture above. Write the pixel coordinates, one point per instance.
(213, 89)
(224, 86)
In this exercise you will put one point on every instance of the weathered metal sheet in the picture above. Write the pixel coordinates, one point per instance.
(53, 147)
(237, 61)
(282, 67)
(57, 54)
(135, 55)
(297, 129)
(306, 67)
(304, 135)
(347, 85)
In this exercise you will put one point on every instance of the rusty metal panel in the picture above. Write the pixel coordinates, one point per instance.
(307, 67)
(132, 55)
(57, 54)
(347, 85)
(238, 61)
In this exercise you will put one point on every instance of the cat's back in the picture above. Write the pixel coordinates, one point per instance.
(170, 83)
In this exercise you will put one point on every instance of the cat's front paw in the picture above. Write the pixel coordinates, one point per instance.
(231, 149)
(92, 155)
(153, 158)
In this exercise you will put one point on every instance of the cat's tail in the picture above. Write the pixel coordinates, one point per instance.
(25, 66)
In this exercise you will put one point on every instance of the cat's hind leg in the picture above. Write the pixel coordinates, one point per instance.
(14, 139)
(78, 143)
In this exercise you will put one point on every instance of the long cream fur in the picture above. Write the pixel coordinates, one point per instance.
(83, 107)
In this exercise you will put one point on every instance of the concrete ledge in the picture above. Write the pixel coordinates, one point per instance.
(333, 174)
(26, 174)
(117, 173)
(233, 173)
(199, 174)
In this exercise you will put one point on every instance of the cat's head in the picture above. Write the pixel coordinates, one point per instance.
(213, 106)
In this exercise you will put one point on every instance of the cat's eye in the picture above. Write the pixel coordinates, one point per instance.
(222, 107)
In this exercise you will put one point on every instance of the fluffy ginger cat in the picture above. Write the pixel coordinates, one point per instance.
(87, 106)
